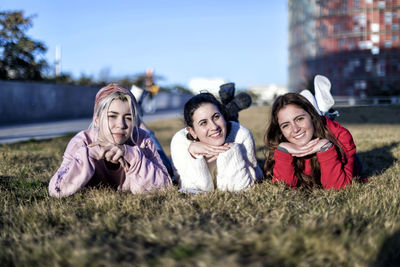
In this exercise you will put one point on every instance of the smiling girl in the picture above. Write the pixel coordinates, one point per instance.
(306, 149)
(212, 153)
(114, 151)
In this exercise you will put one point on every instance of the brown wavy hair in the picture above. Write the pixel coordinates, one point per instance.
(273, 137)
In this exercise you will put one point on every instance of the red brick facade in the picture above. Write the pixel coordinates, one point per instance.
(355, 43)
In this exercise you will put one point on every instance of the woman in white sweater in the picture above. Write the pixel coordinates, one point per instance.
(211, 153)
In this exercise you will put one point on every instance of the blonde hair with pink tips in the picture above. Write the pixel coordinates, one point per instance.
(103, 100)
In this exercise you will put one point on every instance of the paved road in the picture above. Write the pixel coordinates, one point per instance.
(17, 133)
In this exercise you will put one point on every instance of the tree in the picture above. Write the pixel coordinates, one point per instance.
(18, 52)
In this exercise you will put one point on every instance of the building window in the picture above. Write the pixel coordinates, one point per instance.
(357, 4)
(380, 68)
(374, 27)
(388, 17)
(363, 85)
(337, 28)
(375, 38)
(395, 27)
(360, 85)
(364, 44)
(362, 20)
(322, 30)
(375, 50)
(341, 44)
(388, 44)
(356, 62)
(395, 38)
(368, 65)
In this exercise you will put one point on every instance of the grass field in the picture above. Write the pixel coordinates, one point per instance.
(268, 225)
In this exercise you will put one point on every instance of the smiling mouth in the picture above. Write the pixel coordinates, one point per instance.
(300, 135)
(216, 135)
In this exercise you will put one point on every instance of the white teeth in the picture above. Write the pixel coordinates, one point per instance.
(215, 135)
(299, 136)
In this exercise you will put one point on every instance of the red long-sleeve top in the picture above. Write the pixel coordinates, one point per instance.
(332, 173)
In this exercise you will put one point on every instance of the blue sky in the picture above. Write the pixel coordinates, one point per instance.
(240, 41)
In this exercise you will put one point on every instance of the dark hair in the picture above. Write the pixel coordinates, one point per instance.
(195, 102)
(273, 137)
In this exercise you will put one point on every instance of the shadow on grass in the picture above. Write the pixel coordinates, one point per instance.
(261, 149)
(13, 183)
(389, 254)
(377, 160)
(5, 181)
(42, 138)
(369, 114)
(23, 188)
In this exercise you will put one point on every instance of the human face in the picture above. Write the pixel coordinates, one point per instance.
(116, 125)
(209, 126)
(296, 125)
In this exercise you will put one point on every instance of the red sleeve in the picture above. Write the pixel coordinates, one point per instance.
(283, 168)
(332, 173)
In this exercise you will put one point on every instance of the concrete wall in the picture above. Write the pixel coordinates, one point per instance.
(23, 102)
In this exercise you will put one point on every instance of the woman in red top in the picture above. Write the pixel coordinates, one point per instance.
(305, 149)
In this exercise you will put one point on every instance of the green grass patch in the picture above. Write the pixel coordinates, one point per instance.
(267, 225)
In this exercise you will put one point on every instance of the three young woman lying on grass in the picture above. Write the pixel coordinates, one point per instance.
(304, 148)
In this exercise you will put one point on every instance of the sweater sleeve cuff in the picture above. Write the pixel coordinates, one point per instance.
(199, 161)
(327, 155)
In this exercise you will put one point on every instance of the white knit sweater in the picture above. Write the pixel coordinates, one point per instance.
(236, 169)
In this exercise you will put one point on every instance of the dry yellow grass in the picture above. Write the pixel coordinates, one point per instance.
(268, 225)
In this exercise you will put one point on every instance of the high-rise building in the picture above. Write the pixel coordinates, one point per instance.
(355, 43)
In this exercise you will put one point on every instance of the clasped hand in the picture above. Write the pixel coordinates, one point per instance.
(210, 152)
(111, 152)
(310, 148)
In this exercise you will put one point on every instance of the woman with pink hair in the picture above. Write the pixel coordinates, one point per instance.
(114, 151)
